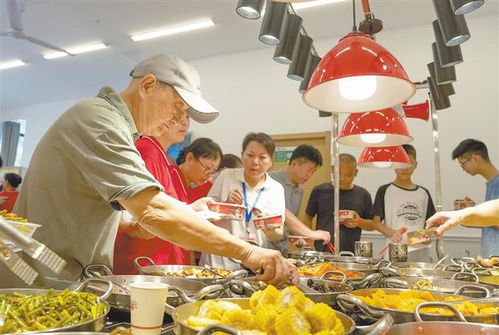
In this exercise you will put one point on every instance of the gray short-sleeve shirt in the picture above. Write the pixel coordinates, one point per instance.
(83, 165)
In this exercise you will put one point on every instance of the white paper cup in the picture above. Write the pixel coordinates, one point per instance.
(147, 306)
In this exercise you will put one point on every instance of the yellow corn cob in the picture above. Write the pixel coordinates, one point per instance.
(265, 319)
(338, 328)
(320, 317)
(240, 319)
(291, 322)
(267, 297)
(252, 332)
(291, 296)
(199, 323)
(210, 309)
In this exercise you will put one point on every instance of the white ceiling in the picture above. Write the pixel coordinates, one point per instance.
(70, 22)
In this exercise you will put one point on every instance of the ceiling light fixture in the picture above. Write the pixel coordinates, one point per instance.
(416, 111)
(358, 75)
(453, 27)
(273, 23)
(11, 64)
(461, 7)
(284, 51)
(386, 157)
(76, 50)
(447, 89)
(311, 65)
(384, 128)
(445, 75)
(440, 100)
(301, 56)
(205, 23)
(250, 9)
(448, 56)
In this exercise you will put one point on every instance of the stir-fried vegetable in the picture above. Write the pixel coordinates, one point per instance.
(23, 313)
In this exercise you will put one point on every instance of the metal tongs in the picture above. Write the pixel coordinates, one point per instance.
(31, 247)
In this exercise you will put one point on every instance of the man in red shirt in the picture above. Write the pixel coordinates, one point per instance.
(9, 193)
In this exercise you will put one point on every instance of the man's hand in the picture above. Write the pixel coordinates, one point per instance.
(140, 232)
(235, 197)
(444, 221)
(396, 236)
(320, 235)
(201, 204)
(276, 270)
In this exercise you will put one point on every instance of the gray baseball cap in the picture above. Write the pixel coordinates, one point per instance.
(184, 78)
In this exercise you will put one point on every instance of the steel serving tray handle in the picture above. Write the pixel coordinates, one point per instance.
(389, 272)
(84, 285)
(346, 253)
(342, 274)
(241, 288)
(349, 303)
(465, 275)
(462, 289)
(96, 271)
(371, 280)
(396, 283)
(143, 258)
(215, 328)
(453, 267)
(441, 261)
(377, 328)
(457, 313)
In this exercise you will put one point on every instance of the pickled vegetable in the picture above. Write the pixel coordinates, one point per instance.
(24, 313)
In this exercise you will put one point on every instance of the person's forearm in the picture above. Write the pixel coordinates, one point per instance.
(171, 220)
(483, 215)
(295, 226)
(274, 235)
(365, 224)
(382, 228)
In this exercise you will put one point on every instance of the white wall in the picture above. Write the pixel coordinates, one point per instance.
(253, 93)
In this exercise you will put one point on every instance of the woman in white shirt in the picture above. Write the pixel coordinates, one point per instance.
(252, 187)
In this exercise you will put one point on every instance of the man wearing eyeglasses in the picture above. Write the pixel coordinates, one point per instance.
(473, 157)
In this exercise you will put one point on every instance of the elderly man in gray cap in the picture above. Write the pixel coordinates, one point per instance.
(86, 169)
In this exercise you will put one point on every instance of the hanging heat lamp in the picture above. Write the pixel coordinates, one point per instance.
(384, 157)
(358, 75)
(382, 128)
(416, 111)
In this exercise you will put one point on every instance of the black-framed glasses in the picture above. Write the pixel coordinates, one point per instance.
(207, 170)
(462, 163)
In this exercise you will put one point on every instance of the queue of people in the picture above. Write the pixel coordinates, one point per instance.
(111, 192)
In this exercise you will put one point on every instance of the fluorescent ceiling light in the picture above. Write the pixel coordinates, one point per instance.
(11, 63)
(309, 4)
(172, 30)
(79, 49)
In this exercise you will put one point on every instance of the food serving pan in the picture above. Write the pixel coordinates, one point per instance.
(180, 290)
(352, 304)
(456, 287)
(183, 312)
(309, 257)
(94, 325)
(410, 272)
(163, 270)
(318, 290)
(438, 327)
(487, 276)
(371, 280)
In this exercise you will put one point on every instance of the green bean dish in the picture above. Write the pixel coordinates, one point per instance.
(24, 313)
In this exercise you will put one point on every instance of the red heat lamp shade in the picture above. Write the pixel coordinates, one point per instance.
(385, 157)
(358, 75)
(383, 128)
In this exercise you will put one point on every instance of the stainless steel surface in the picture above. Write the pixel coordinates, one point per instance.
(94, 325)
(182, 313)
(310, 257)
(17, 265)
(397, 252)
(416, 272)
(363, 249)
(441, 328)
(335, 152)
(353, 304)
(437, 284)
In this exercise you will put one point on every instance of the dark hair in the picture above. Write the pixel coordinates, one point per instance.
(261, 138)
(409, 149)
(307, 152)
(13, 179)
(1, 161)
(471, 146)
(347, 158)
(230, 161)
(201, 147)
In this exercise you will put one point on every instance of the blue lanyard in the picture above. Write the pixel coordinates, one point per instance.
(249, 211)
